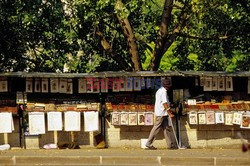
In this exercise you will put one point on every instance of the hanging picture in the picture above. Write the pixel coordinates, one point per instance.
(91, 121)
(202, 117)
(208, 84)
(54, 85)
(3, 86)
(248, 85)
(237, 117)
(148, 83)
(221, 84)
(104, 85)
(215, 83)
(137, 83)
(72, 121)
(115, 118)
(124, 118)
(29, 85)
(54, 121)
(37, 85)
(141, 118)
(45, 85)
(6, 122)
(116, 85)
(122, 84)
(202, 80)
(149, 118)
(129, 84)
(228, 118)
(229, 84)
(132, 119)
(96, 85)
(219, 117)
(69, 86)
(36, 123)
(245, 122)
(63, 85)
(82, 82)
(210, 119)
(89, 85)
(193, 117)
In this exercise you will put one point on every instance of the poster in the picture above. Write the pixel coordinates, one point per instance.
(208, 84)
(69, 89)
(63, 85)
(148, 83)
(116, 85)
(115, 118)
(37, 85)
(245, 122)
(122, 84)
(221, 84)
(104, 85)
(141, 118)
(228, 118)
(237, 117)
(229, 84)
(193, 119)
(215, 83)
(202, 117)
(149, 118)
(219, 117)
(137, 83)
(72, 121)
(132, 119)
(54, 121)
(124, 118)
(45, 85)
(210, 119)
(91, 121)
(82, 83)
(29, 85)
(54, 85)
(36, 123)
(3, 86)
(129, 84)
(96, 86)
(89, 85)
(6, 122)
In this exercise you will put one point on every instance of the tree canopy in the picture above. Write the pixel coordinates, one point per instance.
(130, 35)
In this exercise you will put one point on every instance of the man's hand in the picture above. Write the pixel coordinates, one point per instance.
(170, 114)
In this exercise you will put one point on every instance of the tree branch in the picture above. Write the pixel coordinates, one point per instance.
(203, 38)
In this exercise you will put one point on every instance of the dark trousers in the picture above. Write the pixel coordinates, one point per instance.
(161, 122)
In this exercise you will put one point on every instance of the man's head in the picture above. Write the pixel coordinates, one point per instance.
(166, 83)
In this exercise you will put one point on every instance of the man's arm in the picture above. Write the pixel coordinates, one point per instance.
(167, 108)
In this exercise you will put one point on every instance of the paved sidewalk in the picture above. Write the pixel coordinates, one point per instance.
(125, 156)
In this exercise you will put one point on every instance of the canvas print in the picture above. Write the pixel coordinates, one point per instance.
(69, 86)
(245, 122)
(237, 117)
(137, 83)
(228, 118)
(210, 119)
(37, 85)
(54, 85)
(219, 117)
(115, 118)
(229, 84)
(141, 118)
(124, 118)
(63, 85)
(129, 84)
(29, 85)
(215, 83)
(208, 84)
(149, 118)
(132, 119)
(193, 118)
(82, 85)
(45, 85)
(221, 84)
(202, 117)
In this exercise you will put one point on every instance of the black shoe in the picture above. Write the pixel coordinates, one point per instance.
(172, 148)
(151, 147)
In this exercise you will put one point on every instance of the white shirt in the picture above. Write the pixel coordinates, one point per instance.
(161, 98)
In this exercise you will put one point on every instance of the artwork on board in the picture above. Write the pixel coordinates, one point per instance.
(202, 117)
(45, 85)
(6, 122)
(69, 89)
(91, 121)
(54, 85)
(115, 118)
(63, 85)
(124, 118)
(72, 121)
(54, 121)
(132, 119)
(29, 85)
(141, 118)
(208, 84)
(237, 117)
(245, 122)
(193, 119)
(219, 117)
(36, 123)
(82, 83)
(149, 118)
(229, 118)
(229, 84)
(210, 119)
(37, 85)
(221, 84)
(215, 83)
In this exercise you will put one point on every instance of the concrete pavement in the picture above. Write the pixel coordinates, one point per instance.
(125, 156)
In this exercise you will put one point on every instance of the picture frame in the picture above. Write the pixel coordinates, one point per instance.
(207, 84)
(219, 117)
(210, 117)
(215, 83)
(229, 118)
(193, 118)
(149, 118)
(124, 118)
(37, 85)
(137, 84)
(245, 123)
(202, 80)
(63, 85)
(229, 84)
(116, 85)
(29, 85)
(96, 85)
(132, 119)
(221, 84)
(141, 118)
(54, 85)
(82, 83)
(89, 85)
(115, 118)
(237, 118)
(69, 86)
(122, 84)
(202, 117)
(45, 85)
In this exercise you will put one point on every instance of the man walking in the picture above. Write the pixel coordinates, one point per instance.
(162, 113)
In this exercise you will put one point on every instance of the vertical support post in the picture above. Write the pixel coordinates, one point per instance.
(55, 137)
(6, 138)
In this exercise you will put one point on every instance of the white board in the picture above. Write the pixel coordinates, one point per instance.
(6, 122)
(91, 121)
(36, 123)
(54, 121)
(72, 121)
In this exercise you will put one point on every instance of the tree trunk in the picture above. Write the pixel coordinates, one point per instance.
(128, 33)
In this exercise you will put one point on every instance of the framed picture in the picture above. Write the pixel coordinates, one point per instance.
(149, 118)
(129, 84)
(69, 89)
(116, 85)
(208, 84)
(63, 85)
(122, 84)
(237, 117)
(215, 83)
(229, 84)
(89, 85)
(54, 85)
(29, 85)
(202, 117)
(115, 118)
(248, 85)
(210, 119)
(104, 85)
(37, 85)
(36, 123)
(96, 85)
(137, 83)
(72, 121)
(245, 123)
(124, 118)
(132, 119)
(148, 83)
(219, 117)
(82, 83)
(228, 118)
(141, 118)
(45, 85)
(221, 84)
(192, 116)
(202, 80)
